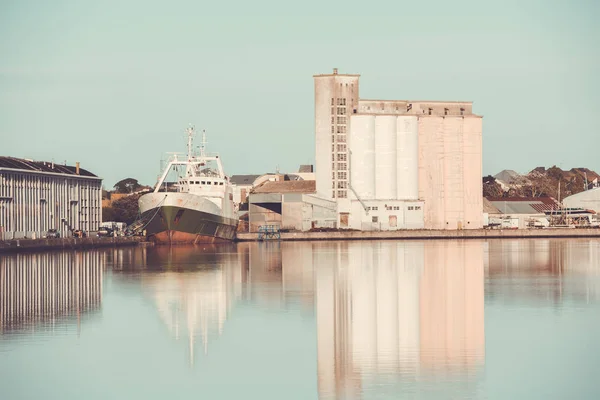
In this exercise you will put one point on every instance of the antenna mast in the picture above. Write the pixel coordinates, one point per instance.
(203, 146)
(190, 133)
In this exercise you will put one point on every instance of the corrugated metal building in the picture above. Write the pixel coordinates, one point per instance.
(588, 200)
(36, 196)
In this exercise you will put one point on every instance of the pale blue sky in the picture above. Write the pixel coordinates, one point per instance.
(113, 84)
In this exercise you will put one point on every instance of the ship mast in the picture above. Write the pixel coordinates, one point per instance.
(190, 133)
(203, 146)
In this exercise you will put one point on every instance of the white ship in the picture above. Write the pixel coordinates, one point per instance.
(196, 205)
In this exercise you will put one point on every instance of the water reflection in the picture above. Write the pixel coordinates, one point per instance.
(381, 319)
(41, 291)
(397, 310)
(543, 272)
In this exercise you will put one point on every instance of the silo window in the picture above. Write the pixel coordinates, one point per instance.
(430, 110)
(445, 111)
(462, 111)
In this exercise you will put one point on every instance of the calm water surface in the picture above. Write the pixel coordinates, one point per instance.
(505, 319)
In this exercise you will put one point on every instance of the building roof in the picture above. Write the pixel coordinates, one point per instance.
(42, 166)
(489, 208)
(287, 187)
(305, 169)
(243, 179)
(523, 205)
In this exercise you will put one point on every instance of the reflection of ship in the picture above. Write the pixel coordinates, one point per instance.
(196, 207)
(39, 291)
(194, 301)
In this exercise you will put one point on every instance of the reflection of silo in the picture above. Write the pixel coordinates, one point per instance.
(364, 311)
(362, 146)
(451, 306)
(385, 157)
(386, 284)
(409, 268)
(407, 158)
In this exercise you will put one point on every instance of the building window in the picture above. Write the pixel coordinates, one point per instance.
(374, 219)
(341, 120)
(341, 138)
(342, 185)
(332, 129)
(410, 208)
(332, 157)
(332, 101)
(341, 102)
(341, 147)
(341, 157)
(341, 129)
(342, 175)
(332, 120)
(375, 208)
(342, 166)
(333, 175)
(332, 110)
(341, 194)
(333, 165)
(333, 194)
(341, 110)
(417, 207)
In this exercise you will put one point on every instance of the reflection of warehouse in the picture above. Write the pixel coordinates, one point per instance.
(40, 289)
(397, 164)
(36, 196)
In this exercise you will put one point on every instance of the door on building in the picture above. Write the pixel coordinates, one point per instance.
(344, 217)
(393, 221)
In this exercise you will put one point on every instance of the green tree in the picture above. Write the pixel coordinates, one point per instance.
(126, 209)
(127, 185)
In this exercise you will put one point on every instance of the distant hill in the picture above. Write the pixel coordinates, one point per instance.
(540, 182)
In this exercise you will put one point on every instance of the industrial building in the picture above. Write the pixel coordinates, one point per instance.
(588, 200)
(397, 164)
(36, 196)
(290, 205)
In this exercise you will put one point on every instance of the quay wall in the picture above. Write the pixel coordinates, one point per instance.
(22, 245)
(430, 234)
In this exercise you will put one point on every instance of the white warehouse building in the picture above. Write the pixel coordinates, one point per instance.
(37, 196)
(397, 164)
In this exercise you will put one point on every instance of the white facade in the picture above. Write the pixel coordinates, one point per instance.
(589, 200)
(384, 157)
(336, 96)
(380, 215)
(362, 147)
(34, 201)
(399, 150)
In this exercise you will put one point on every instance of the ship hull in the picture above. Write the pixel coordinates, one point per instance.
(180, 219)
(190, 227)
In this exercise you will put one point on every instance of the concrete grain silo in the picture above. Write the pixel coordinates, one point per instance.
(407, 158)
(362, 147)
(385, 157)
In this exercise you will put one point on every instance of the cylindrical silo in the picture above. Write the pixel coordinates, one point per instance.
(385, 157)
(407, 158)
(362, 146)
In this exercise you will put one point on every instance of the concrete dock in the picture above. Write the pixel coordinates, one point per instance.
(22, 245)
(431, 234)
